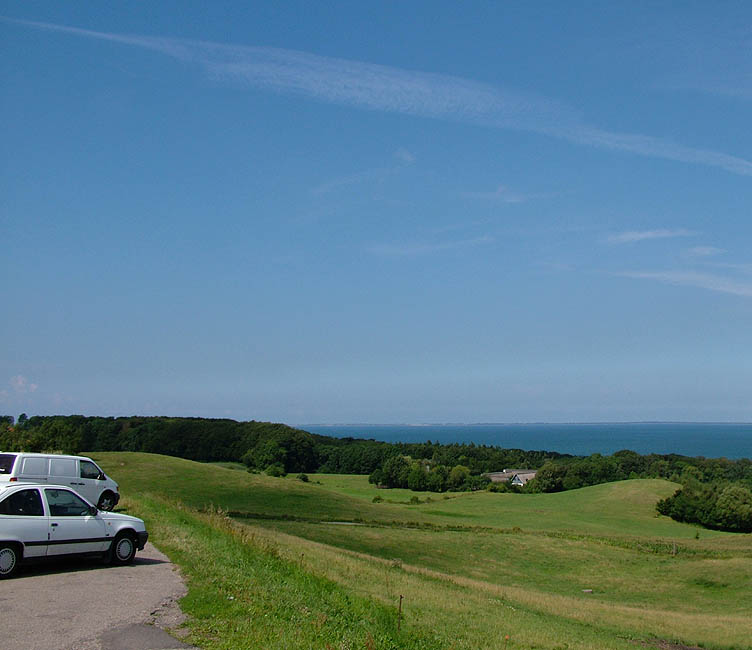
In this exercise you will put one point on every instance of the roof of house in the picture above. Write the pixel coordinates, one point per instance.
(524, 476)
(499, 477)
(507, 474)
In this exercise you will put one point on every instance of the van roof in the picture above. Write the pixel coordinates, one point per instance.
(33, 454)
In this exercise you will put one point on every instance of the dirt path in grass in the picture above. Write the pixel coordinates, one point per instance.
(88, 605)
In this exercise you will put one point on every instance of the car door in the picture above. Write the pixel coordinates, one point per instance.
(73, 529)
(22, 517)
(89, 483)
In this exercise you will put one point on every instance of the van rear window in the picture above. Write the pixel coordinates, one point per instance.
(34, 466)
(6, 463)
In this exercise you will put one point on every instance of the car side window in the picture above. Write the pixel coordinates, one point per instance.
(89, 469)
(24, 503)
(66, 504)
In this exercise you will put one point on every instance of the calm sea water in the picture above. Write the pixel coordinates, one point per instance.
(711, 440)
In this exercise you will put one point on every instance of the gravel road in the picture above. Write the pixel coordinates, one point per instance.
(88, 605)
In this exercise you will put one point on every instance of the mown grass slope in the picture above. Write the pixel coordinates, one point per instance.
(203, 484)
(473, 567)
(623, 508)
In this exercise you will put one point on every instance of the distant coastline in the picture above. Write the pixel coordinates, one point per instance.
(514, 424)
(710, 439)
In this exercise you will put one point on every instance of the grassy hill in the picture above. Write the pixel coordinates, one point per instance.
(473, 568)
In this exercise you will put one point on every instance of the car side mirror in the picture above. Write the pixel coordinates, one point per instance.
(93, 511)
(101, 476)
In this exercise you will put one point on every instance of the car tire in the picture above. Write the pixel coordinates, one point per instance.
(123, 549)
(106, 501)
(9, 557)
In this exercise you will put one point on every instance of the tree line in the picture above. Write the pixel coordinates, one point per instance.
(260, 445)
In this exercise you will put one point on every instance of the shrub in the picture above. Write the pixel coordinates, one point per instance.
(499, 486)
(714, 505)
(276, 469)
(376, 477)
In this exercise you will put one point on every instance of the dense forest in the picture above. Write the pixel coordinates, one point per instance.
(716, 492)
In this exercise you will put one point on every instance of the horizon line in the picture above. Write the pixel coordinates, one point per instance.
(519, 423)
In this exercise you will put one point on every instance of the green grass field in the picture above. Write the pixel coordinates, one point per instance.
(472, 568)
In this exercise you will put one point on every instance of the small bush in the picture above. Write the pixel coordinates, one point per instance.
(497, 487)
(303, 477)
(276, 469)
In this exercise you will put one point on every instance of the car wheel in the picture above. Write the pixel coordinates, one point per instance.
(8, 560)
(106, 501)
(123, 549)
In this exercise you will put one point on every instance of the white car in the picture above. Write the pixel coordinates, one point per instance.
(40, 521)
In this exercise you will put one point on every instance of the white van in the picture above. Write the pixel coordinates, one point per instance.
(81, 473)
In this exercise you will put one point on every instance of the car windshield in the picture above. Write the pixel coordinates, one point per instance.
(6, 463)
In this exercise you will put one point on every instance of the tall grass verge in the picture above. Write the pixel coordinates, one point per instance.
(244, 594)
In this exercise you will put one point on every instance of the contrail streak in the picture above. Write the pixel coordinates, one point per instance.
(395, 90)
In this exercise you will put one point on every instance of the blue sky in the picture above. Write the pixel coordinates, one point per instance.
(377, 212)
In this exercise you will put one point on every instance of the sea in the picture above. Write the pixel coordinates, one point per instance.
(708, 439)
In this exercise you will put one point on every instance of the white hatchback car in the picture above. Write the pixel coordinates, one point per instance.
(45, 521)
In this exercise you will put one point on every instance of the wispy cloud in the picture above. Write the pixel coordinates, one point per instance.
(20, 385)
(427, 248)
(743, 268)
(705, 251)
(502, 194)
(383, 88)
(691, 279)
(711, 61)
(730, 82)
(650, 146)
(631, 236)
(557, 266)
(402, 158)
(375, 175)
